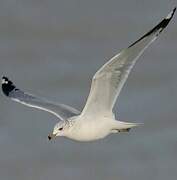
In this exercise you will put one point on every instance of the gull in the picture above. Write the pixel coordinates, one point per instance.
(97, 119)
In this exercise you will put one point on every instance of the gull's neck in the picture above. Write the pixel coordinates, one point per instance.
(70, 122)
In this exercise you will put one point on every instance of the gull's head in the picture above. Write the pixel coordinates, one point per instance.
(60, 129)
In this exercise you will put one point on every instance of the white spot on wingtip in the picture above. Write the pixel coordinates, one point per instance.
(4, 81)
(169, 16)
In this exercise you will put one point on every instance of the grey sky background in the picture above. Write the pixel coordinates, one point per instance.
(52, 49)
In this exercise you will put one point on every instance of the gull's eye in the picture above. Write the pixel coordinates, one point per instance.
(60, 129)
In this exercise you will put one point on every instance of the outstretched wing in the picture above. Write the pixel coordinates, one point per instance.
(60, 110)
(109, 80)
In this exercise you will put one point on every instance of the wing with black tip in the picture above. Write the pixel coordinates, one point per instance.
(110, 78)
(60, 110)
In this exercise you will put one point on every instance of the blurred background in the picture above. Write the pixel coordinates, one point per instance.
(52, 49)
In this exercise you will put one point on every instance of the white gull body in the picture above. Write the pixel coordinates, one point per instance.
(97, 119)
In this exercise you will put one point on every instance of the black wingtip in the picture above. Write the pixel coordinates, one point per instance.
(7, 85)
(170, 15)
(166, 20)
(159, 27)
(174, 9)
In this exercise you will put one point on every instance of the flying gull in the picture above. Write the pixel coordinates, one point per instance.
(97, 119)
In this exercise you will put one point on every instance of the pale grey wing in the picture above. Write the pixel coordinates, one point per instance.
(60, 110)
(109, 80)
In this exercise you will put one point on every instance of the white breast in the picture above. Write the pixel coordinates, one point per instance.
(90, 130)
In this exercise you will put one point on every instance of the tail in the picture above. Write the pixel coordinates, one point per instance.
(126, 125)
